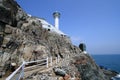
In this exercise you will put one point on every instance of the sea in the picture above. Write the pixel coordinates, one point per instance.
(109, 61)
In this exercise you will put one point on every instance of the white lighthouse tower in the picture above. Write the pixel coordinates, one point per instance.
(56, 16)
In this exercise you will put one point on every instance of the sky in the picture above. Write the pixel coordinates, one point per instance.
(93, 22)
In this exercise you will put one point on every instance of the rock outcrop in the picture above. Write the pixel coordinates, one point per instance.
(23, 37)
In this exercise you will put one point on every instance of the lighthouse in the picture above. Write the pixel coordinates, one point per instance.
(56, 16)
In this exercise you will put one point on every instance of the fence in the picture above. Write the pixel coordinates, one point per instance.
(19, 72)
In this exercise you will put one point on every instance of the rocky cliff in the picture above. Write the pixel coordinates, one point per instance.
(24, 37)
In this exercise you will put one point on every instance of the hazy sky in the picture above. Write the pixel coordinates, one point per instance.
(94, 22)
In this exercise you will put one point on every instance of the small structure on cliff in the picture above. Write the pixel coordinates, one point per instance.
(82, 46)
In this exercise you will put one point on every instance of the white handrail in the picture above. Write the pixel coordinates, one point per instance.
(22, 67)
(34, 61)
(9, 77)
(25, 63)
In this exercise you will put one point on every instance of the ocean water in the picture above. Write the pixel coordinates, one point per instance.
(111, 61)
(108, 61)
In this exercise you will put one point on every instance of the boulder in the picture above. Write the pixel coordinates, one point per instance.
(59, 72)
(8, 29)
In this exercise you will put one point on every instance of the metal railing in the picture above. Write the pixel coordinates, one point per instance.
(19, 72)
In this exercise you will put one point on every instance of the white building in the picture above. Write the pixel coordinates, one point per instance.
(56, 16)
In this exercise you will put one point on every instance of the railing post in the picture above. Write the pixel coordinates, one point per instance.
(14, 73)
(23, 69)
(47, 62)
(51, 61)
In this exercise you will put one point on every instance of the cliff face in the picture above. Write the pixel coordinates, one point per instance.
(23, 37)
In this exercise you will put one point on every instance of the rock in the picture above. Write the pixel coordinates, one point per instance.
(13, 66)
(8, 29)
(2, 27)
(1, 40)
(2, 73)
(6, 41)
(66, 77)
(88, 69)
(40, 76)
(10, 12)
(110, 73)
(5, 15)
(24, 37)
(5, 57)
(59, 72)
